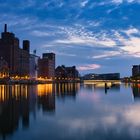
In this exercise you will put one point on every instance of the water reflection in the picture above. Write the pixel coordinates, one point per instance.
(14, 107)
(136, 91)
(46, 97)
(105, 87)
(18, 101)
(34, 112)
(64, 90)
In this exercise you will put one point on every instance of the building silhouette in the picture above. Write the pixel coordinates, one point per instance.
(135, 70)
(10, 51)
(62, 72)
(20, 63)
(17, 58)
(4, 70)
(107, 76)
(25, 59)
(46, 66)
(34, 66)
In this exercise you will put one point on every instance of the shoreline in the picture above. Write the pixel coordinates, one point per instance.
(35, 82)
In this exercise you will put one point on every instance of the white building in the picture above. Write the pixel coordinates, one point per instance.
(33, 66)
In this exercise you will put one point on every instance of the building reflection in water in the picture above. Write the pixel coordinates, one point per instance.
(102, 86)
(64, 90)
(136, 91)
(14, 107)
(46, 97)
(19, 102)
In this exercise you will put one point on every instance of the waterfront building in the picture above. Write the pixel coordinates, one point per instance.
(17, 58)
(62, 72)
(72, 72)
(25, 59)
(107, 76)
(10, 51)
(4, 69)
(135, 70)
(46, 66)
(33, 66)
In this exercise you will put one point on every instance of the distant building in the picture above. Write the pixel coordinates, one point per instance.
(135, 70)
(16, 58)
(46, 66)
(4, 69)
(108, 76)
(72, 72)
(33, 66)
(62, 72)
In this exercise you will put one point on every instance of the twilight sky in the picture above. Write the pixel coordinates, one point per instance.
(97, 36)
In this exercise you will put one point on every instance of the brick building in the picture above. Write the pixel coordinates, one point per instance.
(46, 66)
(17, 58)
(62, 72)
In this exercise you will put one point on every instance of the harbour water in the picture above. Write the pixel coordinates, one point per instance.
(69, 112)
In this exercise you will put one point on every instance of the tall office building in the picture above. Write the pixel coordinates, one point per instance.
(47, 66)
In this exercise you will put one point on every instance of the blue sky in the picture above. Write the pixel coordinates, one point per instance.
(98, 36)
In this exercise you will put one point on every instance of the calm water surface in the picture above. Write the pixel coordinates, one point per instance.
(69, 112)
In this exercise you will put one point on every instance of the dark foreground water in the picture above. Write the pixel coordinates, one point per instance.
(69, 112)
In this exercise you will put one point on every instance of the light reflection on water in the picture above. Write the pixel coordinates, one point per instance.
(69, 111)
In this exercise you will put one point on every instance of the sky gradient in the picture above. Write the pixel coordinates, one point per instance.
(97, 36)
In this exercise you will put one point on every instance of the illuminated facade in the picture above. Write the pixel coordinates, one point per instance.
(62, 72)
(33, 66)
(46, 66)
(17, 58)
(107, 76)
(4, 70)
(9, 46)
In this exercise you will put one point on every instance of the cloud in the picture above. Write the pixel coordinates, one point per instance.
(83, 3)
(120, 42)
(132, 116)
(63, 53)
(78, 35)
(131, 31)
(130, 44)
(117, 1)
(104, 118)
(122, 1)
(94, 29)
(106, 54)
(17, 21)
(40, 33)
(88, 67)
(74, 35)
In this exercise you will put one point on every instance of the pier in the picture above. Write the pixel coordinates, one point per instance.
(101, 81)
